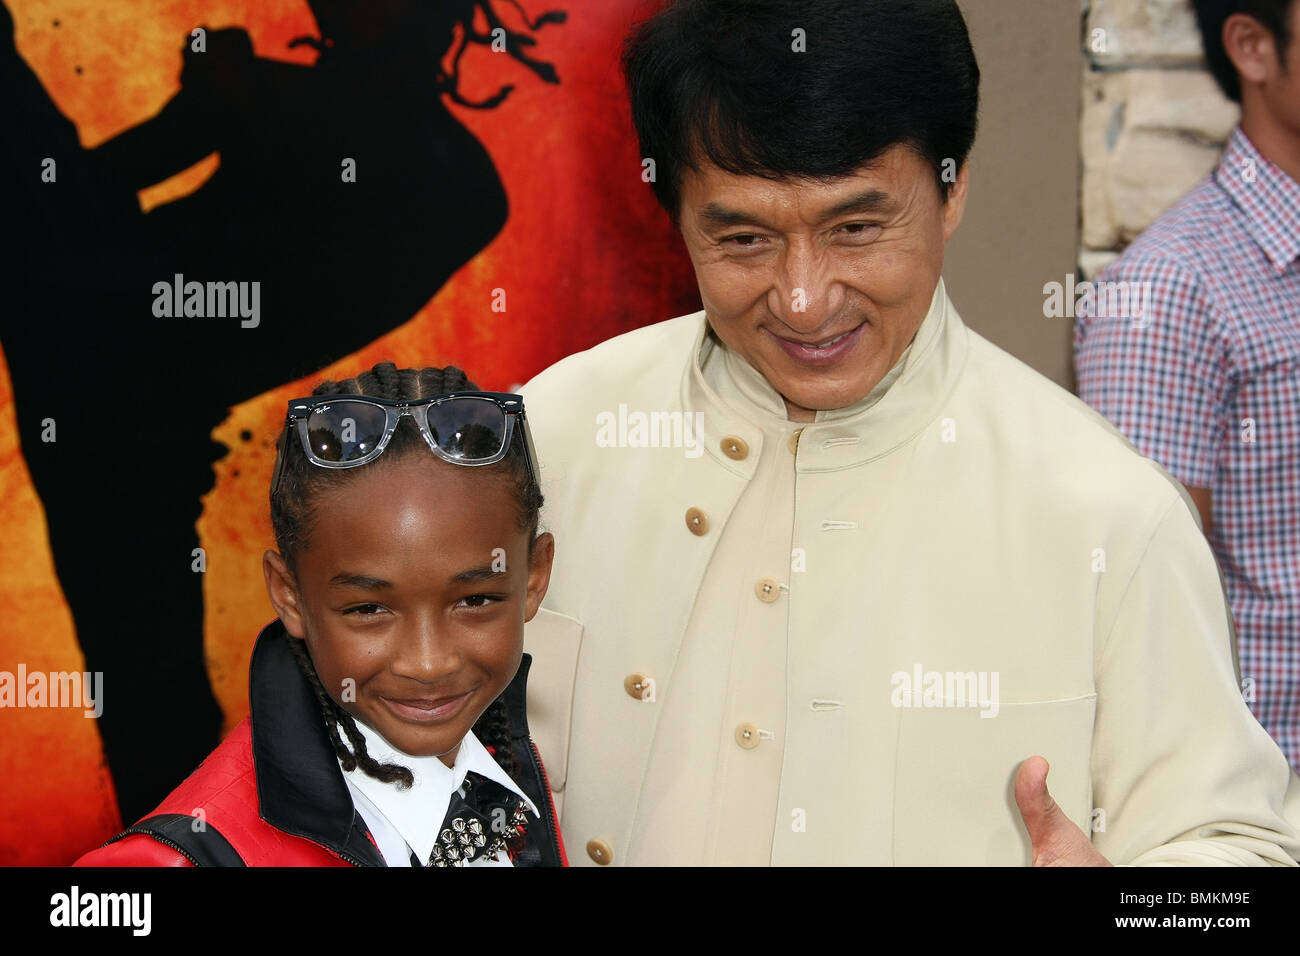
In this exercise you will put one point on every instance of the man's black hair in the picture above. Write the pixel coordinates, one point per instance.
(1212, 14)
(723, 82)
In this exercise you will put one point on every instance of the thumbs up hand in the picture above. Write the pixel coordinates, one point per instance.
(1057, 841)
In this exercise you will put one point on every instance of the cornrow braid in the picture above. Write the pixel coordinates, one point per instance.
(293, 514)
(493, 730)
(336, 716)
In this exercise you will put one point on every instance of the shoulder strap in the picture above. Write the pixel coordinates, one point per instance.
(202, 847)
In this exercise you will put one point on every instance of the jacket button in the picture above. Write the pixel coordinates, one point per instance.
(735, 448)
(767, 589)
(640, 687)
(600, 851)
(747, 736)
(793, 444)
(697, 521)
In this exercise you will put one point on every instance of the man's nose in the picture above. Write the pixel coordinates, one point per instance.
(806, 292)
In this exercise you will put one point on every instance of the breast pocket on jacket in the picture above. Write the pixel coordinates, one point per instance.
(553, 641)
(954, 798)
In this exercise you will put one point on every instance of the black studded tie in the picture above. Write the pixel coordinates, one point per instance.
(483, 819)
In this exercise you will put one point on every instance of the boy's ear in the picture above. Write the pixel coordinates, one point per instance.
(540, 559)
(282, 589)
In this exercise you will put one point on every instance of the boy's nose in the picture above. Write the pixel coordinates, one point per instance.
(425, 653)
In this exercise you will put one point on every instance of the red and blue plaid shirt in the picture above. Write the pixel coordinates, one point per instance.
(1206, 381)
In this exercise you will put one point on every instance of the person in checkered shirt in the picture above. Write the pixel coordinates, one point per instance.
(1205, 377)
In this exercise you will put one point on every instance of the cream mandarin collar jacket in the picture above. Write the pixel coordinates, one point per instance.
(990, 571)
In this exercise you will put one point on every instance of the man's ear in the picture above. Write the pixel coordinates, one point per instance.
(282, 589)
(1250, 47)
(954, 209)
(540, 559)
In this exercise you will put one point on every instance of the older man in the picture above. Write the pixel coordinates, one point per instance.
(839, 564)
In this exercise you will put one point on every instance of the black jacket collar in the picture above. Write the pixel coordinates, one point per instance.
(300, 788)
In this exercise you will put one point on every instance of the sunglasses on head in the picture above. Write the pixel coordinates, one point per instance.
(347, 431)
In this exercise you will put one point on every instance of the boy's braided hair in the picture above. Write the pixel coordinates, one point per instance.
(293, 515)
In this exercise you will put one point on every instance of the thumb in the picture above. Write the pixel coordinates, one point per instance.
(1035, 803)
(1050, 830)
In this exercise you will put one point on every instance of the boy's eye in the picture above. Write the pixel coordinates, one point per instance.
(365, 610)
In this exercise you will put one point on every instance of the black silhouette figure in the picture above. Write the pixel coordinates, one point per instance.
(134, 396)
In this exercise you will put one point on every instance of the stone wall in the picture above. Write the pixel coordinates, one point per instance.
(1153, 121)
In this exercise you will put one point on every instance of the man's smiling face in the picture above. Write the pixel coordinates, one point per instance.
(820, 286)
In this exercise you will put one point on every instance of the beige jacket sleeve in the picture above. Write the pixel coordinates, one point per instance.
(1184, 774)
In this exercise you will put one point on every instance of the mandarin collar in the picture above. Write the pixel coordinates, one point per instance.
(909, 397)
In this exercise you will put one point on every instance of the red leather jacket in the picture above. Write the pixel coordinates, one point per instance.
(272, 793)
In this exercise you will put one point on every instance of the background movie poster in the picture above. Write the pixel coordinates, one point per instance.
(210, 206)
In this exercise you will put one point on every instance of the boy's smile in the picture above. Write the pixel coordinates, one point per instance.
(412, 592)
(424, 710)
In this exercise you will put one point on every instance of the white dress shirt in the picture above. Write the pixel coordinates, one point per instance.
(408, 821)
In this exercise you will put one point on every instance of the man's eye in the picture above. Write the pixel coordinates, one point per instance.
(479, 600)
(745, 241)
(861, 228)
